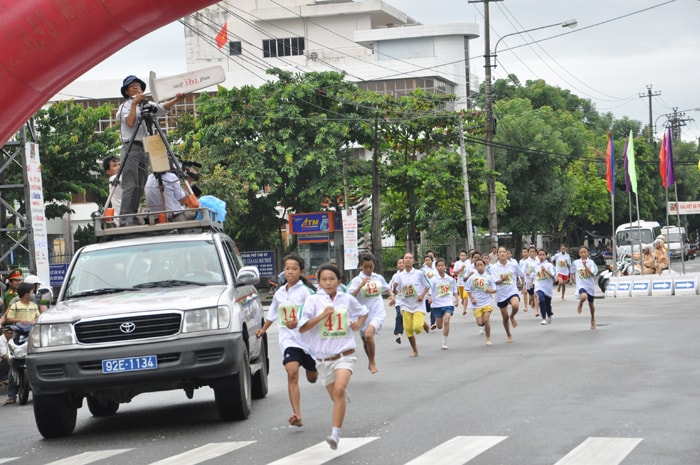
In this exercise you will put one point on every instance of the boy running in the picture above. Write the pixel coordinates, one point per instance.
(562, 262)
(544, 277)
(480, 286)
(505, 274)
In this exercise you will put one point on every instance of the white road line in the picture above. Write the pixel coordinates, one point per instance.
(600, 451)
(8, 459)
(203, 453)
(457, 451)
(89, 457)
(322, 453)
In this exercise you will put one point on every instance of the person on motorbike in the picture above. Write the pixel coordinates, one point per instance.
(648, 261)
(661, 255)
(23, 310)
(43, 295)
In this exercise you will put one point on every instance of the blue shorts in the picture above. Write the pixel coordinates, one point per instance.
(439, 312)
(295, 354)
(506, 302)
(590, 298)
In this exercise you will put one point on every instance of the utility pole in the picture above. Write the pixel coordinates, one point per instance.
(677, 120)
(465, 178)
(490, 129)
(649, 95)
(376, 202)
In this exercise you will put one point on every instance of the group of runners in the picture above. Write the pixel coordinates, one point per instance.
(316, 324)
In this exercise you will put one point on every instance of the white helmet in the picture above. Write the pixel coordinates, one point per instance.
(32, 279)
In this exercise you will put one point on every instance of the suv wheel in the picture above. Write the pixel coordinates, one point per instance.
(102, 407)
(260, 385)
(233, 393)
(54, 415)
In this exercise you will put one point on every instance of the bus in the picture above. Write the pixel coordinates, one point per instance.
(632, 237)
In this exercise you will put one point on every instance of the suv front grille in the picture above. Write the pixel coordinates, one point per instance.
(118, 329)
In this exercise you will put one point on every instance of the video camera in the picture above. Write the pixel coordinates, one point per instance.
(148, 107)
(188, 167)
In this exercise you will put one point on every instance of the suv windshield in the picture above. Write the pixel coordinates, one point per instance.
(145, 265)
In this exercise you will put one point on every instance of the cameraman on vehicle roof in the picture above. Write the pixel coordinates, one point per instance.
(134, 159)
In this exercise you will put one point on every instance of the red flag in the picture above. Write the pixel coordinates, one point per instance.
(610, 165)
(222, 36)
(662, 161)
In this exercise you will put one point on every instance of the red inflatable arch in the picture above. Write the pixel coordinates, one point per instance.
(47, 44)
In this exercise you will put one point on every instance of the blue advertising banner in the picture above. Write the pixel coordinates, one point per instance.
(263, 259)
(310, 223)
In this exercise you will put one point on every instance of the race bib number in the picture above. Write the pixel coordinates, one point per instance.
(372, 289)
(479, 284)
(443, 290)
(409, 291)
(563, 264)
(336, 325)
(584, 273)
(541, 275)
(287, 313)
(506, 278)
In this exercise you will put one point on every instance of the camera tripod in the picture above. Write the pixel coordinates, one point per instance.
(147, 116)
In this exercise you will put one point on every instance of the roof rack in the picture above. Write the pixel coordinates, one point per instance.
(156, 223)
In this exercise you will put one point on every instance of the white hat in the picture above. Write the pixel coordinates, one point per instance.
(32, 279)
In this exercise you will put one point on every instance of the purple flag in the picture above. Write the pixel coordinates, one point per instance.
(670, 172)
(627, 172)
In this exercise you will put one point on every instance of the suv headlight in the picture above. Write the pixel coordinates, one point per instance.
(59, 334)
(204, 319)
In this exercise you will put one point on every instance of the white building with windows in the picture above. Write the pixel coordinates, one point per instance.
(378, 46)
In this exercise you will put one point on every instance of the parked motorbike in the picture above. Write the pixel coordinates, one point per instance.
(18, 360)
(625, 267)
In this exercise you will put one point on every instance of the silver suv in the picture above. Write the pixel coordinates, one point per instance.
(154, 310)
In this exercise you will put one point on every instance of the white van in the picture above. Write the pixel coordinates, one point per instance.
(677, 241)
(633, 237)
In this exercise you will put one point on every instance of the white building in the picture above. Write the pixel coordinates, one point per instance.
(378, 46)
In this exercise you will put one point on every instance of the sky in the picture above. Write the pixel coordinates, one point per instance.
(619, 50)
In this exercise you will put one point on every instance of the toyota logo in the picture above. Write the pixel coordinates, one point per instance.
(127, 327)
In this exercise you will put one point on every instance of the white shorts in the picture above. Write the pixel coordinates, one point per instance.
(377, 322)
(326, 370)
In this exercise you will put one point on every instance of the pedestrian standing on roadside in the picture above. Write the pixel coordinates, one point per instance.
(285, 309)
(368, 287)
(481, 286)
(505, 274)
(584, 274)
(544, 285)
(413, 287)
(562, 262)
(443, 297)
(331, 318)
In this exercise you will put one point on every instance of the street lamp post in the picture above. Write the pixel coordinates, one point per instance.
(490, 127)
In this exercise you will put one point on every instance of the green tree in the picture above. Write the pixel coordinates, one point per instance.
(71, 151)
(275, 149)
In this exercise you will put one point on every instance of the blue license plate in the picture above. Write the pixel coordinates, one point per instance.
(119, 365)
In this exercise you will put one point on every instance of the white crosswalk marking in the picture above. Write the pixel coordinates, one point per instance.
(203, 453)
(600, 451)
(457, 451)
(321, 453)
(8, 459)
(89, 457)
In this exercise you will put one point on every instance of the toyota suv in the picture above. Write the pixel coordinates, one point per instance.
(149, 308)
